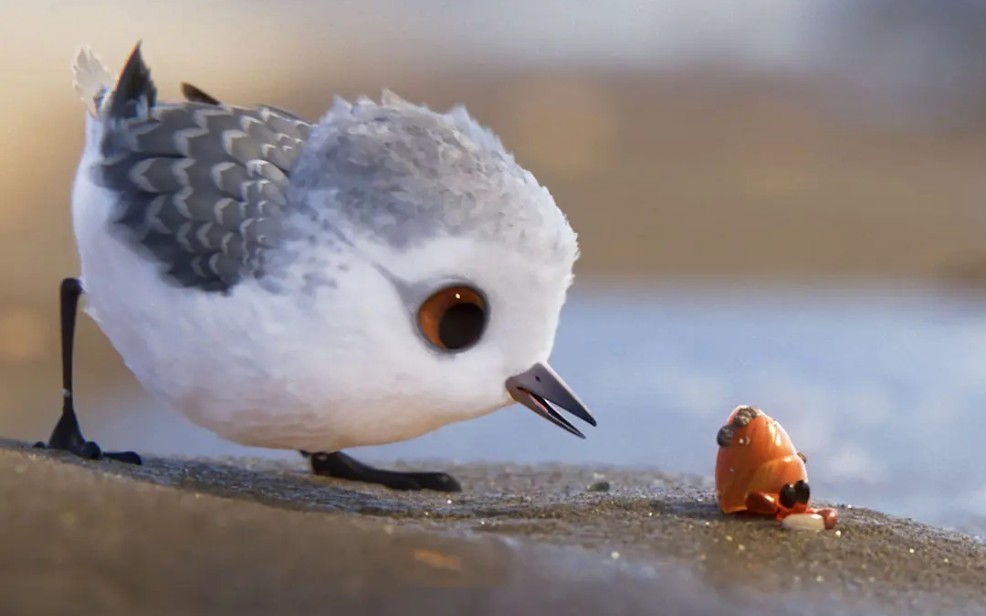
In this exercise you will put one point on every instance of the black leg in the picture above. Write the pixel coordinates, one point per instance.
(342, 466)
(67, 435)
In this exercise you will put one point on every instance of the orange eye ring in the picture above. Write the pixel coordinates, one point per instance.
(453, 318)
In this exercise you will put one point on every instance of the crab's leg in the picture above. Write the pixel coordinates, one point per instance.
(762, 504)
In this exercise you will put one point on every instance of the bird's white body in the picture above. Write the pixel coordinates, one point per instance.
(316, 371)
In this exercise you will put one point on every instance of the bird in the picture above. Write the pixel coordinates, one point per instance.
(358, 280)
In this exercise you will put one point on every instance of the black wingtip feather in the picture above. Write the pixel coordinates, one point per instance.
(196, 95)
(135, 84)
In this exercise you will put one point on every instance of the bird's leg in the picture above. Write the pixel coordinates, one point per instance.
(342, 466)
(67, 435)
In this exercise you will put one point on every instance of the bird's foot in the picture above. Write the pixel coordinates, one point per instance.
(342, 466)
(68, 437)
(89, 450)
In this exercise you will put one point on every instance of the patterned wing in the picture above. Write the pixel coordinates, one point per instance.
(202, 184)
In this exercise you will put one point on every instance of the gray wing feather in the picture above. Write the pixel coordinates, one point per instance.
(202, 184)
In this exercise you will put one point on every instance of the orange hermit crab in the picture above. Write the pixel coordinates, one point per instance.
(759, 471)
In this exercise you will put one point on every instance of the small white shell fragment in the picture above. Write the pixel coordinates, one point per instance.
(804, 521)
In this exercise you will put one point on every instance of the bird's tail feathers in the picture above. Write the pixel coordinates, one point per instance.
(91, 79)
(131, 94)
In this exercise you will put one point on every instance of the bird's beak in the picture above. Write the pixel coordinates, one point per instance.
(540, 387)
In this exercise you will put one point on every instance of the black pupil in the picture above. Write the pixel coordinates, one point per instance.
(461, 325)
(788, 498)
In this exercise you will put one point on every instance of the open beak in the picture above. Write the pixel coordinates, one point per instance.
(539, 388)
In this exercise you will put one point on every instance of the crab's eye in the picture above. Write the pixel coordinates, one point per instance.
(802, 493)
(453, 318)
(788, 496)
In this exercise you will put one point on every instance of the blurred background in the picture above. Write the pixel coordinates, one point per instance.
(779, 203)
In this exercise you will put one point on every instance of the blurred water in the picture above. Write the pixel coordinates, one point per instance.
(882, 391)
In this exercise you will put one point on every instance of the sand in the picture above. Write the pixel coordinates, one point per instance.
(247, 536)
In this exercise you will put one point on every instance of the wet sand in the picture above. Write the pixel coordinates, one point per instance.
(248, 536)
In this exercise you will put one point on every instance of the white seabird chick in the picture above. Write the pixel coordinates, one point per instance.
(358, 281)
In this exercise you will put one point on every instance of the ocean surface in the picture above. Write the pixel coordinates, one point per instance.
(883, 390)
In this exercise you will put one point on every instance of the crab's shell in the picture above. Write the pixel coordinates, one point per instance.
(760, 458)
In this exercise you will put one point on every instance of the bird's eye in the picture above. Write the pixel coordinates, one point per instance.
(453, 318)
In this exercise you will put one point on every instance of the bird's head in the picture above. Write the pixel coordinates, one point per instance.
(457, 260)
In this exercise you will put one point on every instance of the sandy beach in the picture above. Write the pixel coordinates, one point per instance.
(248, 536)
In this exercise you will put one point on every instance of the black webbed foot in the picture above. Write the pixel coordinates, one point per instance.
(342, 466)
(89, 450)
(68, 437)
